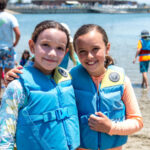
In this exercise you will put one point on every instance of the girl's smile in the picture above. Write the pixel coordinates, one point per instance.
(49, 60)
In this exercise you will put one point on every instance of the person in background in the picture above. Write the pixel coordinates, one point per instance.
(107, 106)
(143, 51)
(30, 62)
(38, 110)
(70, 54)
(25, 57)
(8, 25)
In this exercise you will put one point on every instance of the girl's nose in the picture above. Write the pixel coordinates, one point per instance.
(90, 55)
(52, 52)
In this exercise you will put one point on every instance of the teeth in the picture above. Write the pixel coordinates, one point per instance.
(90, 63)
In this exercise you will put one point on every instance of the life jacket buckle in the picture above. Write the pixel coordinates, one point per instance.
(47, 116)
(61, 114)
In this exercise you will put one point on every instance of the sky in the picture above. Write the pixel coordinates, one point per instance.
(139, 1)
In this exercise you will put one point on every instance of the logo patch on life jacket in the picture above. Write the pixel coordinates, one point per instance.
(114, 77)
(62, 72)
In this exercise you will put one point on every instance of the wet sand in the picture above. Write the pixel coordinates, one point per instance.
(141, 139)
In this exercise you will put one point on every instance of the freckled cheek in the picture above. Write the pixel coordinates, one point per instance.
(81, 58)
(39, 51)
(101, 56)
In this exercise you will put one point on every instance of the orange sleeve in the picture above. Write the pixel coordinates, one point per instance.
(139, 46)
(133, 122)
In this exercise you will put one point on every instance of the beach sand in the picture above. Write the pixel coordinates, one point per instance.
(141, 139)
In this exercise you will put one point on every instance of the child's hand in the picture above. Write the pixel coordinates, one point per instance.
(134, 60)
(100, 123)
(12, 74)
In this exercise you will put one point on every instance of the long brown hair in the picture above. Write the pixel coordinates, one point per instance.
(71, 53)
(71, 48)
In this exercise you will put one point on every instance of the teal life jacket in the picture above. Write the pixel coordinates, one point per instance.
(49, 118)
(107, 100)
(145, 44)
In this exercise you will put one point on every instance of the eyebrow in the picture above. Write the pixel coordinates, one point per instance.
(60, 43)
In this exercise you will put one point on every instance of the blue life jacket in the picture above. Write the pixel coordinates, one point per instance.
(145, 44)
(49, 119)
(108, 101)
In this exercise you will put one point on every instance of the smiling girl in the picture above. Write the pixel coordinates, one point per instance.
(38, 110)
(107, 106)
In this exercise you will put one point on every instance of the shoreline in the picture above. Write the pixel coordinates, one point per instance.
(58, 10)
(11, 11)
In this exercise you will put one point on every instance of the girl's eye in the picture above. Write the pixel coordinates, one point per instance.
(82, 52)
(61, 48)
(45, 44)
(96, 49)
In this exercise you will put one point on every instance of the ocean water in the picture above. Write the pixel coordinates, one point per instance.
(123, 31)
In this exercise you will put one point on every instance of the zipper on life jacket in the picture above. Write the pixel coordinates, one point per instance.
(63, 122)
(98, 109)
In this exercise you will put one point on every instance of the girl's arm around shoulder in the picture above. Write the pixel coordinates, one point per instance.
(12, 74)
(133, 121)
(13, 99)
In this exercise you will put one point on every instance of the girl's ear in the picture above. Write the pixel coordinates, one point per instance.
(107, 48)
(31, 45)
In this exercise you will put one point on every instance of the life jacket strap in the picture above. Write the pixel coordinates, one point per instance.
(58, 114)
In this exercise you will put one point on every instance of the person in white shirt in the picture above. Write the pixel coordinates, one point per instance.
(8, 25)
